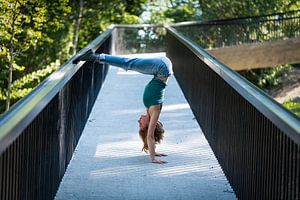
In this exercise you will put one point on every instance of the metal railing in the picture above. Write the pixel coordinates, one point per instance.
(39, 134)
(255, 139)
(245, 30)
(142, 38)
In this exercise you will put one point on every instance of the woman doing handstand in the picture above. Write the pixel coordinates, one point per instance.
(151, 129)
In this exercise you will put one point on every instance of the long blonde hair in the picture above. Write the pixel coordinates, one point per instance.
(158, 135)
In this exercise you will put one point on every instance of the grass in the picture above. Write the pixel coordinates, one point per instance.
(293, 105)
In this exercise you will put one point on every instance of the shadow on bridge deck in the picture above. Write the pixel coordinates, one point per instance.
(108, 162)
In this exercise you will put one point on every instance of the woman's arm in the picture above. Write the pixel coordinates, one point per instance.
(154, 112)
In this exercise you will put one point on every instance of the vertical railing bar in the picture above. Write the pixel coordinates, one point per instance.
(276, 155)
(37, 153)
(4, 175)
(1, 177)
(42, 159)
(292, 173)
(271, 165)
(54, 146)
(33, 165)
(5, 193)
(267, 155)
(30, 164)
(298, 172)
(263, 160)
(18, 144)
(259, 153)
(287, 169)
(22, 166)
(246, 159)
(263, 149)
(287, 189)
(280, 164)
(283, 167)
(293, 168)
(11, 174)
(254, 170)
(249, 158)
(50, 152)
(295, 171)
(14, 174)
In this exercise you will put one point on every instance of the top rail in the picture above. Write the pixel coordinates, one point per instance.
(137, 25)
(241, 20)
(283, 118)
(13, 122)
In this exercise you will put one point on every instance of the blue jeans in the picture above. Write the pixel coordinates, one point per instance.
(159, 67)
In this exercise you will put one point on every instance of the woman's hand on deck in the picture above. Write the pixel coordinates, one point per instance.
(158, 161)
(160, 154)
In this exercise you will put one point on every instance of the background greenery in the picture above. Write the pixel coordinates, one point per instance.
(37, 36)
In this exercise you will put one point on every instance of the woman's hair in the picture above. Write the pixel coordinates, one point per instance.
(158, 135)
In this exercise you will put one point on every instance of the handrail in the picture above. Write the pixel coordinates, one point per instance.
(231, 20)
(13, 122)
(280, 116)
(138, 25)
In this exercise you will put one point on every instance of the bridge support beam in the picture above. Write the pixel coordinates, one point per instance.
(259, 55)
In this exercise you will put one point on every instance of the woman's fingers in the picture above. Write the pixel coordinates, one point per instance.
(160, 154)
(159, 161)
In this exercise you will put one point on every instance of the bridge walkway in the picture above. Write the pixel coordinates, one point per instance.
(108, 162)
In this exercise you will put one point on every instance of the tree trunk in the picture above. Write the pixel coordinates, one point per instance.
(77, 27)
(9, 78)
(11, 59)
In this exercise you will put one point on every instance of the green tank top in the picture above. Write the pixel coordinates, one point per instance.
(154, 93)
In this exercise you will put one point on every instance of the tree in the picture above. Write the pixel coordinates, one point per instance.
(77, 27)
(223, 9)
(171, 11)
(97, 15)
(36, 36)
(23, 24)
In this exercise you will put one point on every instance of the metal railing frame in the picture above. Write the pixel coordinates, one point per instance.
(40, 132)
(242, 30)
(258, 144)
(274, 111)
(48, 97)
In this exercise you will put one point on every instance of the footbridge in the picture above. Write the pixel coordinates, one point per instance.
(75, 135)
(249, 42)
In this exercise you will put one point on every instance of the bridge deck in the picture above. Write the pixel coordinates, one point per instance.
(108, 162)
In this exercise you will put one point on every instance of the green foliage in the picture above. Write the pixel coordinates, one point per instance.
(23, 85)
(170, 11)
(44, 33)
(293, 105)
(183, 11)
(32, 79)
(97, 15)
(266, 78)
(26, 26)
(224, 9)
